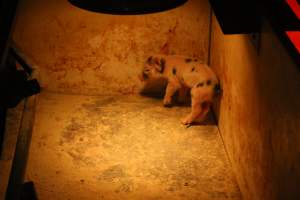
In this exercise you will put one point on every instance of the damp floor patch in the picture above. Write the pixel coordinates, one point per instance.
(124, 148)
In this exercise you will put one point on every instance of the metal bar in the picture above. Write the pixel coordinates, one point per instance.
(20, 57)
(18, 169)
(2, 127)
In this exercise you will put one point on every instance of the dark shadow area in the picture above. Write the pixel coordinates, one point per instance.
(132, 7)
(156, 89)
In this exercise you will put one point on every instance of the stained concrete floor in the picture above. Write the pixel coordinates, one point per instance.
(124, 148)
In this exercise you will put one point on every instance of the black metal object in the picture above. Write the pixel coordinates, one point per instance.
(236, 16)
(279, 14)
(287, 43)
(7, 15)
(127, 7)
(20, 58)
(14, 84)
(16, 179)
(28, 191)
(244, 17)
(283, 19)
(2, 127)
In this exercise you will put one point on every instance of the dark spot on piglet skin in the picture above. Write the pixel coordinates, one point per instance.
(187, 60)
(174, 71)
(200, 84)
(208, 82)
(193, 69)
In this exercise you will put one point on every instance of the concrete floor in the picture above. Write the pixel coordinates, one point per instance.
(125, 147)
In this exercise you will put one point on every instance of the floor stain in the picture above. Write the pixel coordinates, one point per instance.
(125, 186)
(112, 173)
(72, 130)
(95, 105)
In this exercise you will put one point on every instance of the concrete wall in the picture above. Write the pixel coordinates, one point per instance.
(90, 53)
(259, 113)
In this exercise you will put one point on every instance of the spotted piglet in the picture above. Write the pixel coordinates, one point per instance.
(182, 74)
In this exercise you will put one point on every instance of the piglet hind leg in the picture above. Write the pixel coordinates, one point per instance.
(205, 109)
(199, 111)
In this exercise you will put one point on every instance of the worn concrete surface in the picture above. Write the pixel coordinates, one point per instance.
(13, 122)
(124, 147)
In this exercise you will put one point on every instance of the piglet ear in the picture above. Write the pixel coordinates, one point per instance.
(156, 60)
(160, 64)
(150, 60)
(153, 60)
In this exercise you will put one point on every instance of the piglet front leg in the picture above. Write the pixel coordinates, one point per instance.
(170, 91)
